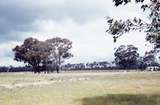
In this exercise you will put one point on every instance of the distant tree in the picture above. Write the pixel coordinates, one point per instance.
(152, 27)
(59, 51)
(141, 63)
(150, 59)
(126, 57)
(32, 52)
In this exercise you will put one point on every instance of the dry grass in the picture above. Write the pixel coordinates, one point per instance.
(81, 89)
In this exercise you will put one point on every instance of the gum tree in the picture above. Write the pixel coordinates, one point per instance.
(32, 52)
(59, 51)
(40, 54)
(126, 57)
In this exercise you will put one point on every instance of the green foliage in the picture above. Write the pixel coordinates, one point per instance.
(152, 28)
(39, 54)
(126, 57)
(123, 99)
(33, 52)
(59, 50)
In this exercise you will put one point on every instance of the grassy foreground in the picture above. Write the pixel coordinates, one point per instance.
(80, 89)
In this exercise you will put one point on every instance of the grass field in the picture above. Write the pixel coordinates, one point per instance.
(123, 88)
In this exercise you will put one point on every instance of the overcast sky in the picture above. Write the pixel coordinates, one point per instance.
(82, 21)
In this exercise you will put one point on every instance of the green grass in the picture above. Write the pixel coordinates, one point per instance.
(123, 99)
(81, 89)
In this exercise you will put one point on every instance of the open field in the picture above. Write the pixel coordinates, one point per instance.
(119, 88)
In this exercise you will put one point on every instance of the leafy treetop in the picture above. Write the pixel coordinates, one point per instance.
(152, 28)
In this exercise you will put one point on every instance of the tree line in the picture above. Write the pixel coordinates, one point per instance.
(15, 69)
(49, 55)
(126, 58)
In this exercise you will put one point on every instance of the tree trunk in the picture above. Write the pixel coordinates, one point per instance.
(36, 68)
(59, 64)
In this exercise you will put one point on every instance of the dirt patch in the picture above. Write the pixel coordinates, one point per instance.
(42, 83)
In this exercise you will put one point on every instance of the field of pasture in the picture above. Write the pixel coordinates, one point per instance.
(87, 88)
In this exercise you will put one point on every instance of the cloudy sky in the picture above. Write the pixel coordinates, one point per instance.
(82, 21)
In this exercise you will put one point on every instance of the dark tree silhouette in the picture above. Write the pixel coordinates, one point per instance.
(33, 52)
(126, 57)
(150, 59)
(120, 2)
(39, 54)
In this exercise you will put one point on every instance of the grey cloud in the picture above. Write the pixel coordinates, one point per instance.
(8, 54)
(19, 15)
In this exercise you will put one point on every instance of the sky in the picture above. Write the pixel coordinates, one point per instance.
(81, 21)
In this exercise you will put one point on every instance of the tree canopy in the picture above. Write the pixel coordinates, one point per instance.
(39, 54)
(126, 57)
(59, 50)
